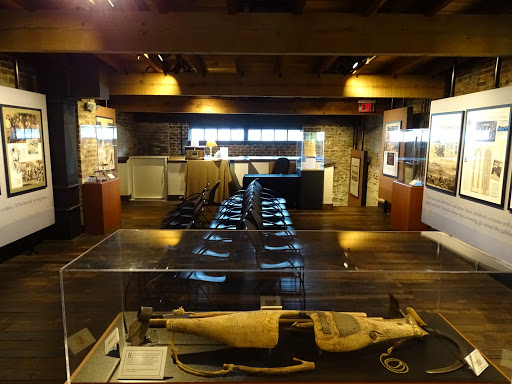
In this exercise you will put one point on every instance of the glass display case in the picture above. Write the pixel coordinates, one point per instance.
(308, 306)
(98, 152)
(413, 150)
(312, 151)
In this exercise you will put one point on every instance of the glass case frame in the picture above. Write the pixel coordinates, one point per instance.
(98, 152)
(448, 283)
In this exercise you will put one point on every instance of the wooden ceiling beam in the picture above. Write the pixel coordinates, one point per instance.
(303, 85)
(256, 33)
(285, 106)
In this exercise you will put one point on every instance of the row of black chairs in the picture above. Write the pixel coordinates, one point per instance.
(255, 204)
(191, 212)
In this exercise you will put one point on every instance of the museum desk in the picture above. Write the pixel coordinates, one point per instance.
(199, 173)
(134, 274)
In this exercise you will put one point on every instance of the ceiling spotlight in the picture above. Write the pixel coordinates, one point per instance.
(138, 57)
(146, 56)
(160, 57)
(110, 2)
(355, 65)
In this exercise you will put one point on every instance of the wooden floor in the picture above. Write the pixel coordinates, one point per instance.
(31, 334)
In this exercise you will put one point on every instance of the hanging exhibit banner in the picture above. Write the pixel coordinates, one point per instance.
(22, 139)
(443, 153)
(355, 166)
(391, 148)
(484, 164)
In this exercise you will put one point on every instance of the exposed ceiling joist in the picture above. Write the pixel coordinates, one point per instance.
(172, 104)
(407, 64)
(154, 63)
(111, 62)
(373, 7)
(194, 84)
(256, 33)
(324, 63)
(441, 4)
(197, 63)
(297, 6)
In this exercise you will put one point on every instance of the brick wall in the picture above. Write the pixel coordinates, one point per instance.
(476, 75)
(338, 142)
(27, 73)
(126, 140)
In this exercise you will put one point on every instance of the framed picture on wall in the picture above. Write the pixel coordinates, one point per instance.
(22, 141)
(355, 167)
(444, 150)
(485, 156)
(391, 148)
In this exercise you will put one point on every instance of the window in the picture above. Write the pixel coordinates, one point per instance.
(239, 134)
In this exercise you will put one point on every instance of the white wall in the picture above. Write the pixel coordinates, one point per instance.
(480, 225)
(27, 213)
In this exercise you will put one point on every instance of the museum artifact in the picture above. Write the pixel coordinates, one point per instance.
(333, 332)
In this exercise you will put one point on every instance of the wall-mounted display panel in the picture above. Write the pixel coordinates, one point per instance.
(485, 157)
(482, 224)
(391, 149)
(444, 149)
(26, 199)
(22, 140)
(355, 167)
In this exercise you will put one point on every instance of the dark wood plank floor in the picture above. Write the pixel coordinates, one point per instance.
(31, 334)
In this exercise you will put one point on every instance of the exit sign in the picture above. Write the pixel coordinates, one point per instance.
(366, 106)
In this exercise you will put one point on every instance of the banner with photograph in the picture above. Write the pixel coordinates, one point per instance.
(23, 149)
(391, 149)
(484, 164)
(443, 153)
(355, 166)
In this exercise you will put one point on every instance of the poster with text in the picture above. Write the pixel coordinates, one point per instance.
(22, 140)
(443, 153)
(484, 161)
(392, 140)
(355, 165)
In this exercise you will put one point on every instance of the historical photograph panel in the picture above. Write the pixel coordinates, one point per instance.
(22, 139)
(355, 163)
(391, 148)
(443, 154)
(486, 143)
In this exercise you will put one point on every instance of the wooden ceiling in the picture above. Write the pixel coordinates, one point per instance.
(155, 52)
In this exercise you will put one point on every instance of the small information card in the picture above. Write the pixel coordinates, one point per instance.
(476, 362)
(143, 363)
